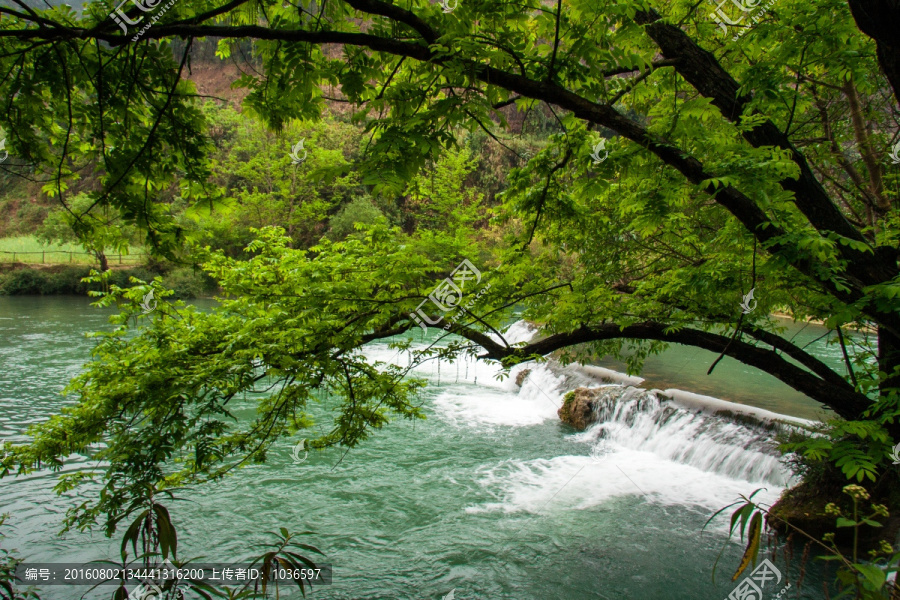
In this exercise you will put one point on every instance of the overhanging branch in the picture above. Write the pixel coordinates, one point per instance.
(832, 391)
(700, 68)
(733, 200)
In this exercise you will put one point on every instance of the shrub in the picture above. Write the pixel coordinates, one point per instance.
(121, 277)
(66, 280)
(359, 210)
(188, 283)
(23, 282)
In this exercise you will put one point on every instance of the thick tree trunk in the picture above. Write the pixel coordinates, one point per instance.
(104, 263)
(880, 20)
(702, 70)
(888, 360)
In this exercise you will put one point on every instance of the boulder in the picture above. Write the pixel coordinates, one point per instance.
(578, 408)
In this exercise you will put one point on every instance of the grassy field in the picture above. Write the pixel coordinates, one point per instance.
(27, 249)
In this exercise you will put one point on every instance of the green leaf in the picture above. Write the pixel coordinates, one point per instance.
(843, 522)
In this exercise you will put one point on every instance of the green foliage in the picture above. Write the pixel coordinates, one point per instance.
(747, 520)
(437, 197)
(44, 282)
(857, 448)
(160, 395)
(257, 185)
(20, 216)
(23, 282)
(153, 527)
(284, 555)
(68, 281)
(133, 125)
(188, 283)
(856, 579)
(153, 530)
(359, 210)
(95, 226)
(684, 217)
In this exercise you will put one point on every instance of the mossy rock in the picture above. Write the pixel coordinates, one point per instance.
(578, 409)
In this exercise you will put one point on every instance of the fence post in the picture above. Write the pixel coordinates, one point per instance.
(120, 259)
(14, 257)
(42, 256)
(70, 257)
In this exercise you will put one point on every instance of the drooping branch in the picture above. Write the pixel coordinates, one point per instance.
(804, 358)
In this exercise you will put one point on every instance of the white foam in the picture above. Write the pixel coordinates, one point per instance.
(582, 482)
(668, 452)
(478, 393)
(518, 333)
(502, 402)
(643, 446)
(636, 419)
(605, 374)
(710, 405)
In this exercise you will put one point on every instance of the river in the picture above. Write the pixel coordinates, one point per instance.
(491, 497)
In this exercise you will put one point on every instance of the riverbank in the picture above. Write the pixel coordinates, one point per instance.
(20, 279)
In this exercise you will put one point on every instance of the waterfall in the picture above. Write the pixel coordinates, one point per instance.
(658, 437)
(644, 420)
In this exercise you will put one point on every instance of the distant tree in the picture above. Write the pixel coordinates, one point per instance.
(101, 226)
(359, 210)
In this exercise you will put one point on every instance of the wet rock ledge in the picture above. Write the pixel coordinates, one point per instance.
(578, 409)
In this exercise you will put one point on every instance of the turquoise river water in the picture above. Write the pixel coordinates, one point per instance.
(491, 497)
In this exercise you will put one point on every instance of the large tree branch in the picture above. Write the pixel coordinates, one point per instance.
(732, 199)
(834, 392)
(212, 14)
(701, 69)
(395, 13)
(804, 358)
(880, 20)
